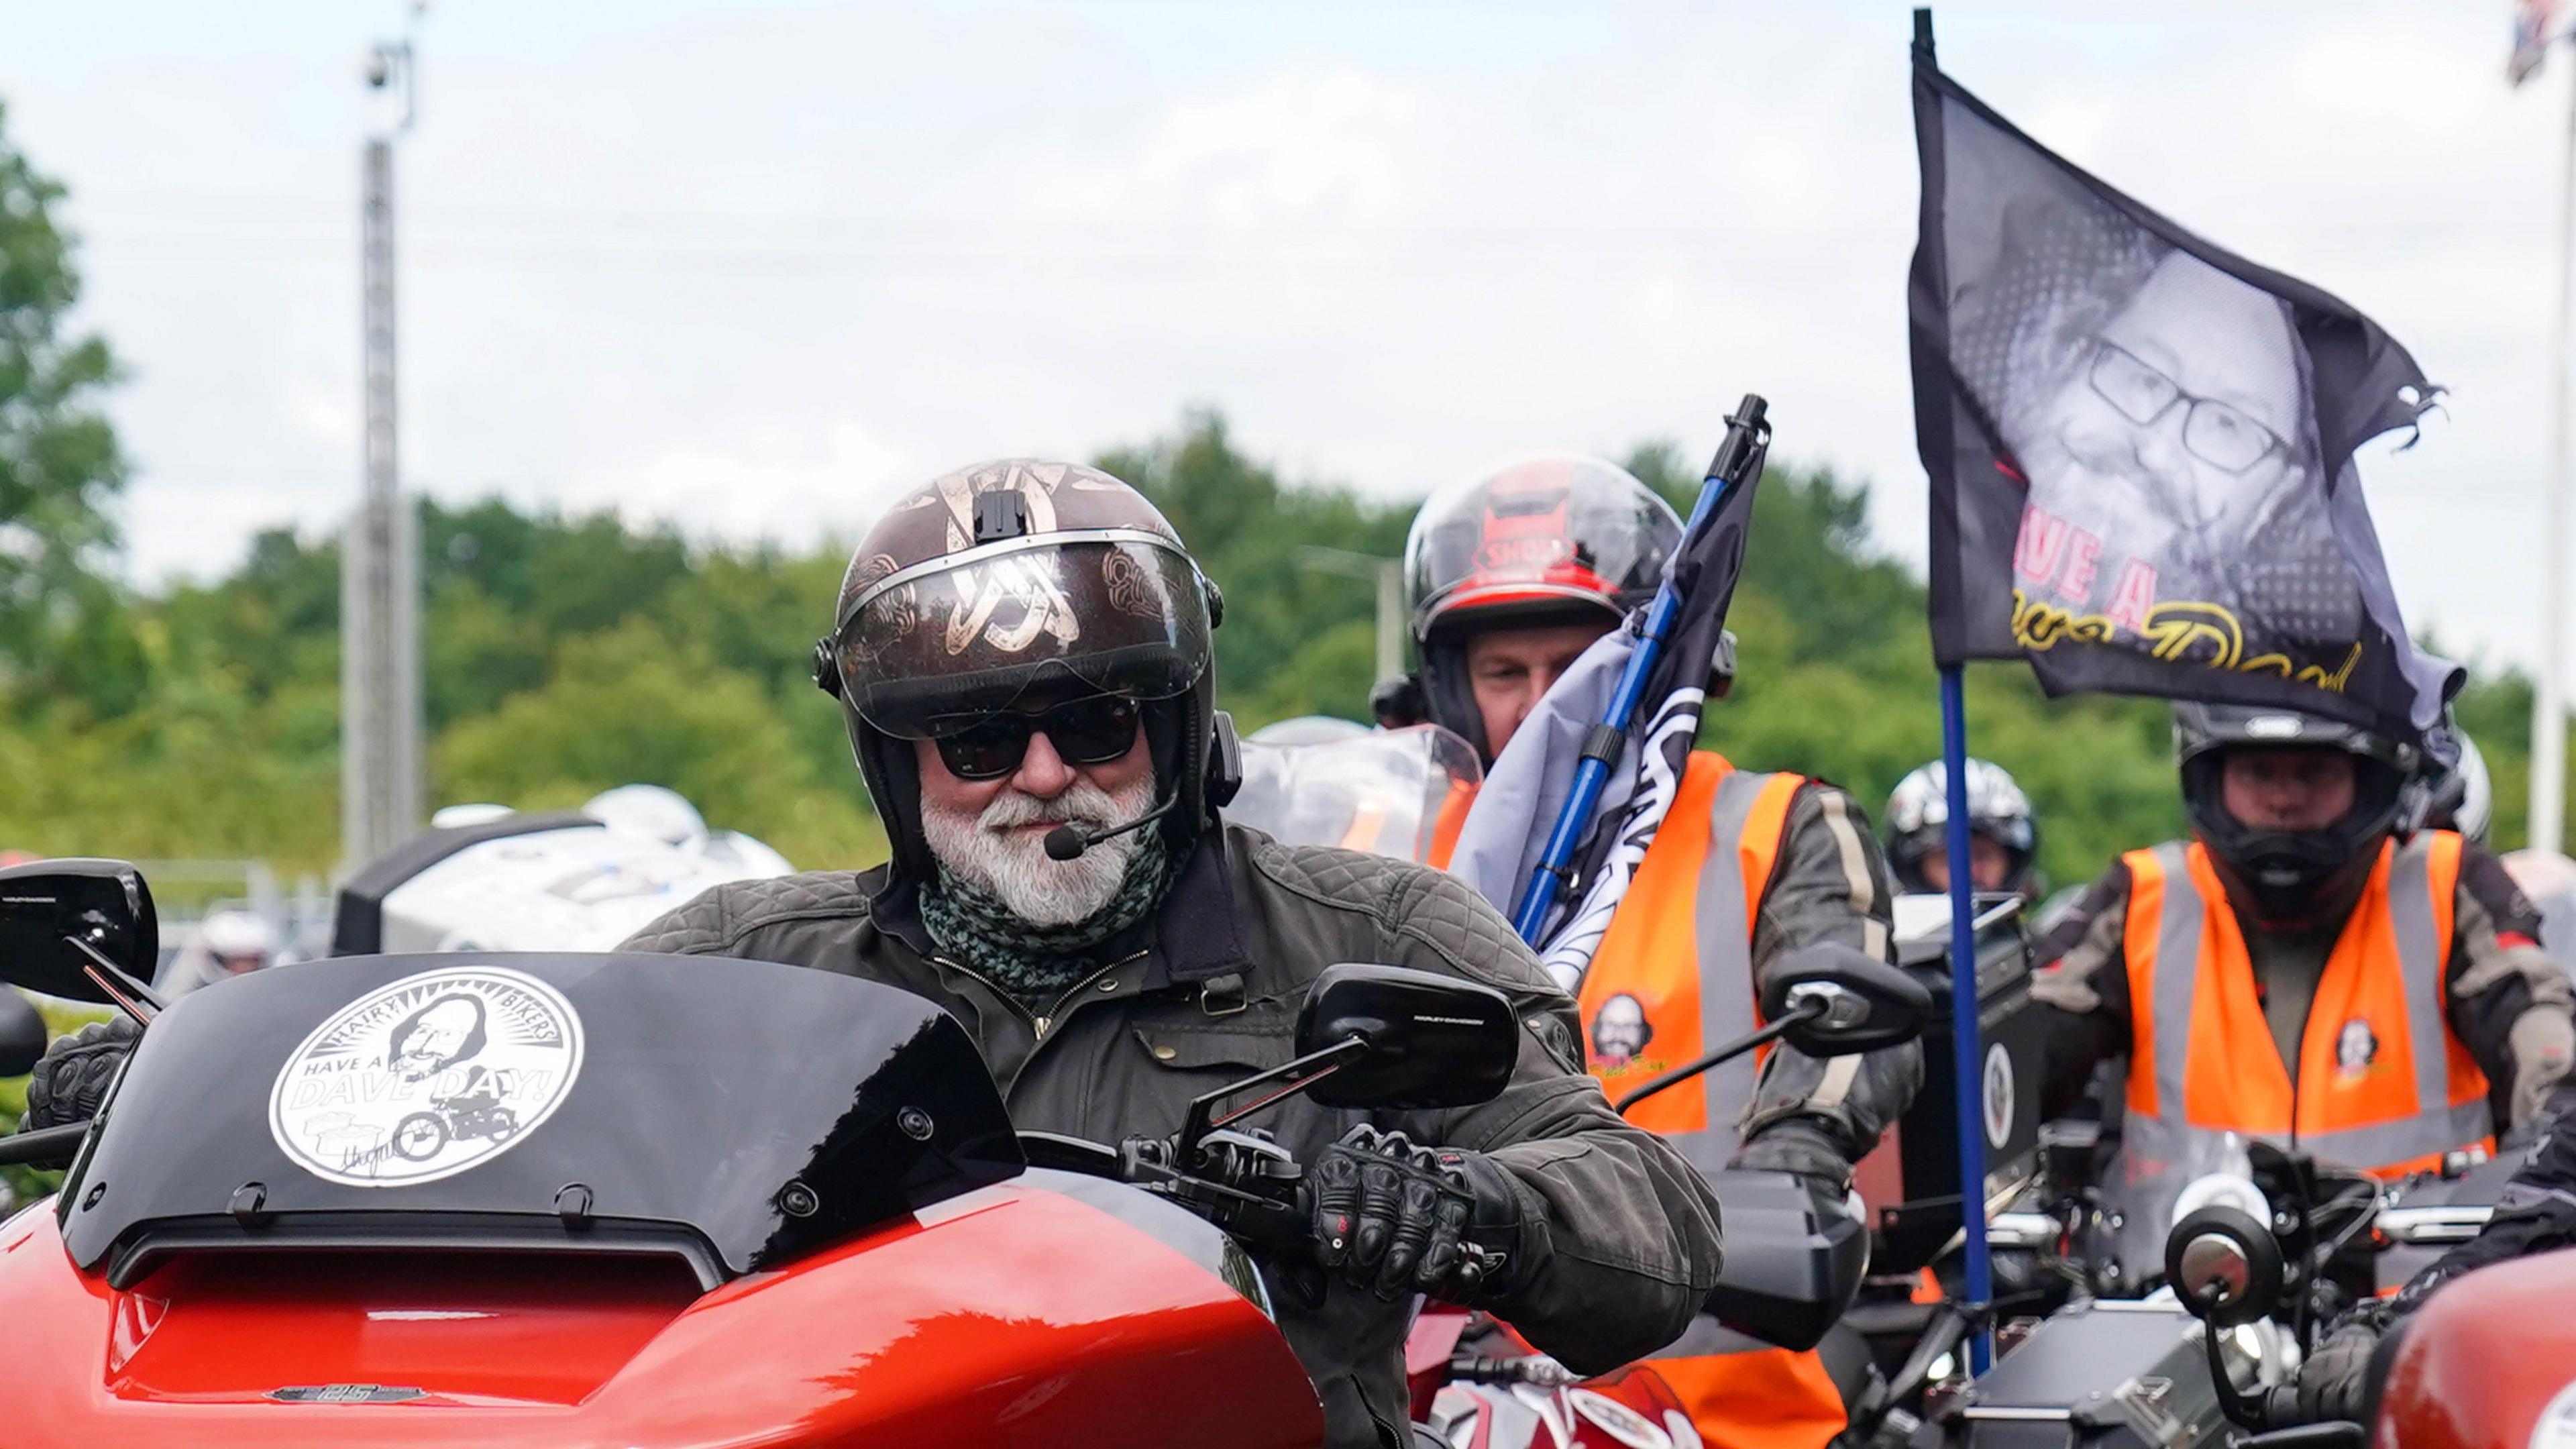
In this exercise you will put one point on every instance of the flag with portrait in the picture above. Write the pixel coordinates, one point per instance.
(2141, 445)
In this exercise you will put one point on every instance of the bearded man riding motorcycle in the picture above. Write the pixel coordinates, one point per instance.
(2300, 969)
(1512, 576)
(1022, 657)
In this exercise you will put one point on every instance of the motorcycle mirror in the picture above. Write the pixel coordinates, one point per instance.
(1433, 1041)
(60, 919)
(2224, 1266)
(22, 1035)
(1860, 1003)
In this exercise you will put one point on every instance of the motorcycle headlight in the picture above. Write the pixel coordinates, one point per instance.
(2222, 1189)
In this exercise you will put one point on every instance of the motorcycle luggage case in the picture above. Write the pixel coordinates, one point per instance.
(1914, 1231)
(2106, 1375)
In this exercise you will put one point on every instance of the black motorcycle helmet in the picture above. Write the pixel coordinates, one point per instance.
(1553, 539)
(2287, 877)
(1015, 581)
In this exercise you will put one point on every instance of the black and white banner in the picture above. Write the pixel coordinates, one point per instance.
(2140, 445)
(1515, 810)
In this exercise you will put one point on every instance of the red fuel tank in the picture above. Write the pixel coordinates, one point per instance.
(2484, 1361)
(1013, 1315)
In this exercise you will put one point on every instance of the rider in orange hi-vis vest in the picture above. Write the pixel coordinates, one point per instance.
(2305, 970)
(1511, 577)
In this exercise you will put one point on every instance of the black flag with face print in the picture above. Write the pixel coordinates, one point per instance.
(2140, 445)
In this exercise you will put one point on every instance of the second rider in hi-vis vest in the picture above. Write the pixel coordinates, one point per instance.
(1511, 577)
(2301, 970)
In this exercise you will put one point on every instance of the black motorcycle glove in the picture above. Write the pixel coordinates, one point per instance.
(1398, 1219)
(70, 1082)
(1801, 1147)
(2335, 1380)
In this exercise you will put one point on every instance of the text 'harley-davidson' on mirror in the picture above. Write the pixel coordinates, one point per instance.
(1433, 1041)
(1379, 1037)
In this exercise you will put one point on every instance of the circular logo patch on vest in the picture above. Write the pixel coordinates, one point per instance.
(426, 1078)
(2356, 1047)
(1999, 1095)
(1620, 1031)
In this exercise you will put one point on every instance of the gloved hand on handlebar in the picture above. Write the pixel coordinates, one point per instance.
(1399, 1219)
(2335, 1380)
(1802, 1148)
(71, 1080)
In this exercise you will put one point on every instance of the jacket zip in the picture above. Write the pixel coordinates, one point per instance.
(1038, 1024)
(1075, 991)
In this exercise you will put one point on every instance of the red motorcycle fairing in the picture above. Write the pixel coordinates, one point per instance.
(2485, 1360)
(1013, 1315)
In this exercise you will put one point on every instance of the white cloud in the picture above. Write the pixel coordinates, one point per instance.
(750, 270)
(779, 484)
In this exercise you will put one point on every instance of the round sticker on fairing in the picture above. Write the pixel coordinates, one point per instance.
(426, 1078)
(1999, 1095)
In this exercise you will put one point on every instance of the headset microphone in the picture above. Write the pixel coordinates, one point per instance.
(1068, 841)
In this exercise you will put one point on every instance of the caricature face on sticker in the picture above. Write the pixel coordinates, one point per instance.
(436, 1037)
(425, 1078)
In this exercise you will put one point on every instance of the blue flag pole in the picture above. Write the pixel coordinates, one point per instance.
(1966, 1050)
(1746, 436)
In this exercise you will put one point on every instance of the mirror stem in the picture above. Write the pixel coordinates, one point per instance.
(128, 995)
(1805, 1011)
(1298, 1075)
(2243, 1410)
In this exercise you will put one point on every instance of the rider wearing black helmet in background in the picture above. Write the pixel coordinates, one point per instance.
(2301, 968)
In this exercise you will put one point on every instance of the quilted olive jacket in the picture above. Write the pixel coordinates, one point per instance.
(1624, 1246)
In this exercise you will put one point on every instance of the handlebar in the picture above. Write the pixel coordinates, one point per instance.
(2280, 1426)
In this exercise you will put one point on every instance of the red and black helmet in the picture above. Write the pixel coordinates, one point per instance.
(1553, 539)
(1015, 582)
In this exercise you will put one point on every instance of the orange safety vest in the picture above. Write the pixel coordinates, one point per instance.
(2384, 1084)
(1674, 974)
(1446, 825)
(1673, 977)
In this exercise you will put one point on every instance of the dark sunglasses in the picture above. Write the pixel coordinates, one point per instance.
(1084, 732)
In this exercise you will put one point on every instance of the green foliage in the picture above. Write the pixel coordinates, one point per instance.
(570, 654)
(1288, 642)
(61, 629)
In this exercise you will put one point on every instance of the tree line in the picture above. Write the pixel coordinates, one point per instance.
(566, 653)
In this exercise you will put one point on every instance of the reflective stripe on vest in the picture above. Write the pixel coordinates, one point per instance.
(1674, 973)
(2382, 1082)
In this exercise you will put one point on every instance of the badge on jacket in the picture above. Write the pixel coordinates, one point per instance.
(1620, 1031)
(2356, 1047)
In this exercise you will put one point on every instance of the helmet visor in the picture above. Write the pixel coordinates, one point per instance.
(936, 649)
(1547, 534)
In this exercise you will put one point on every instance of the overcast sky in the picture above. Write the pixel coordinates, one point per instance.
(751, 268)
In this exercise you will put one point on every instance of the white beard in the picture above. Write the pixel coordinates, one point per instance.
(1015, 867)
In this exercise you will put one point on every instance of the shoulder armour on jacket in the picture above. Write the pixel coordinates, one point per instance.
(1409, 903)
(718, 918)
